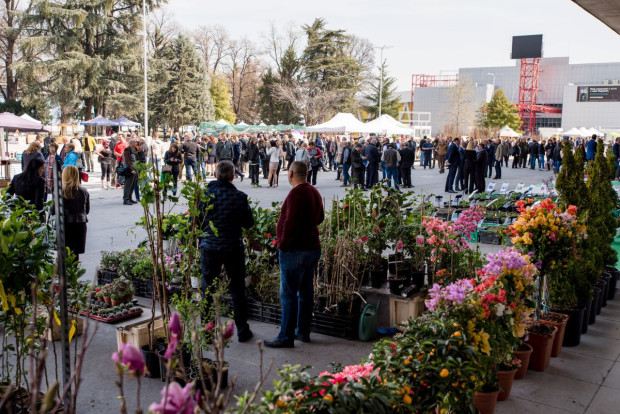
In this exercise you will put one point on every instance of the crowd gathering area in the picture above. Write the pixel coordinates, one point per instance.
(460, 294)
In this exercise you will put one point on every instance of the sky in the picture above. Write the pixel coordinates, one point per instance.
(426, 36)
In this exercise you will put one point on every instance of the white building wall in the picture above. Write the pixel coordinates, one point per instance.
(598, 115)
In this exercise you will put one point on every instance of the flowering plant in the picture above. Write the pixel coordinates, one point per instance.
(550, 236)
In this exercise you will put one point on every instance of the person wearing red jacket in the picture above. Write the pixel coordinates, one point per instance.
(297, 236)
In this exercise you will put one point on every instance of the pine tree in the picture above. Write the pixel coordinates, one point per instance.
(389, 103)
(328, 62)
(501, 112)
(185, 99)
(569, 184)
(221, 99)
(94, 51)
(272, 110)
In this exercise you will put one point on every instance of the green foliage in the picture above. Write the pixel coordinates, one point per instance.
(569, 184)
(184, 97)
(327, 60)
(500, 112)
(272, 110)
(93, 55)
(389, 100)
(111, 260)
(221, 99)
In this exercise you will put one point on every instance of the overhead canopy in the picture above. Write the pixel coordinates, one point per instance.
(122, 121)
(222, 122)
(607, 11)
(592, 131)
(29, 118)
(583, 131)
(341, 123)
(573, 132)
(12, 122)
(506, 131)
(100, 120)
(387, 125)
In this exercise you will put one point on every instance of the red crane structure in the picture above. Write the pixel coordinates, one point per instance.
(528, 94)
(431, 81)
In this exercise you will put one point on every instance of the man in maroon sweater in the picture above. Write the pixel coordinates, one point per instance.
(300, 249)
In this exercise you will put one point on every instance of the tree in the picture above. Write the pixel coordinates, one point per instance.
(93, 54)
(461, 110)
(221, 99)
(328, 63)
(213, 44)
(389, 103)
(185, 99)
(243, 71)
(501, 112)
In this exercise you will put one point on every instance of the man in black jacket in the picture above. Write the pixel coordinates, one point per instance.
(533, 151)
(357, 167)
(452, 159)
(373, 157)
(407, 158)
(490, 157)
(228, 211)
(346, 162)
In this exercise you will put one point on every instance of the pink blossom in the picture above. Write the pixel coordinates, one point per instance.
(173, 343)
(229, 330)
(209, 327)
(175, 324)
(131, 357)
(175, 400)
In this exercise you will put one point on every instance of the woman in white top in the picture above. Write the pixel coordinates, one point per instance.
(302, 154)
(274, 160)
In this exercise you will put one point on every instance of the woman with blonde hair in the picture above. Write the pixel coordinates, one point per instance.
(77, 206)
(33, 151)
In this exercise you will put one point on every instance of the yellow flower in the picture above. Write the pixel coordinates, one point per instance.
(280, 403)
(457, 333)
(328, 398)
(444, 373)
(407, 399)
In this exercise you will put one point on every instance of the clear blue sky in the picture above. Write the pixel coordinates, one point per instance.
(428, 36)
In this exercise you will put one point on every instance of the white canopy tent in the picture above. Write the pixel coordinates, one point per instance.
(573, 132)
(385, 124)
(584, 131)
(242, 123)
(506, 131)
(592, 131)
(222, 122)
(29, 118)
(342, 123)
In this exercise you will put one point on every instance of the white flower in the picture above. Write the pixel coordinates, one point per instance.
(500, 309)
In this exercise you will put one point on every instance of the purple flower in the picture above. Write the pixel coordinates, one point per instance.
(131, 357)
(209, 326)
(176, 400)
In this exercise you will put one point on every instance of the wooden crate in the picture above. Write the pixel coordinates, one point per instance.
(54, 333)
(138, 335)
(401, 309)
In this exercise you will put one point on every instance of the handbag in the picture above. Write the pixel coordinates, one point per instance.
(166, 168)
(84, 176)
(122, 170)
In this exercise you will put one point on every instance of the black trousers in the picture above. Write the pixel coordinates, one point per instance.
(234, 263)
(357, 177)
(498, 170)
(405, 173)
(372, 175)
(312, 174)
(254, 173)
(130, 181)
(265, 164)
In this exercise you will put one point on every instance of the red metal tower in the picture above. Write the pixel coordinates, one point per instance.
(528, 92)
(431, 81)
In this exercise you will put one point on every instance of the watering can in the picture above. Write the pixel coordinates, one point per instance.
(368, 322)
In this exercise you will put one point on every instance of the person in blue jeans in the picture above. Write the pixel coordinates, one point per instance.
(297, 236)
(391, 159)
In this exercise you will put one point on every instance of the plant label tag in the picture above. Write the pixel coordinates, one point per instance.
(504, 187)
(491, 187)
(519, 188)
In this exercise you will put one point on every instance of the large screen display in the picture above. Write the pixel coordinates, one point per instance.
(526, 47)
(598, 93)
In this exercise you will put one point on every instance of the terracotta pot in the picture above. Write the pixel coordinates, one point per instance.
(128, 298)
(524, 356)
(485, 401)
(107, 300)
(541, 353)
(559, 337)
(116, 302)
(506, 379)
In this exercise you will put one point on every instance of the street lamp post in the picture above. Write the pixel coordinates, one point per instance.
(146, 86)
(381, 77)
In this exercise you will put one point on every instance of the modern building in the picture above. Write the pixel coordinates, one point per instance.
(588, 94)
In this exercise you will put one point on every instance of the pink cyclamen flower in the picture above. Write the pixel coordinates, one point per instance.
(229, 330)
(131, 357)
(175, 324)
(175, 400)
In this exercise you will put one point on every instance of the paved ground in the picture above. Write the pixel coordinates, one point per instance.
(583, 379)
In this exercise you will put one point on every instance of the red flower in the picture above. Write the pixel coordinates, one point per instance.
(273, 243)
(268, 235)
(364, 239)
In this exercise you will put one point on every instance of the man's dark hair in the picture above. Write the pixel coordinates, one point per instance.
(390, 145)
(225, 170)
(299, 168)
(358, 145)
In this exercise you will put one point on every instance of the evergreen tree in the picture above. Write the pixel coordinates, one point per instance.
(389, 103)
(221, 99)
(272, 110)
(328, 62)
(569, 184)
(501, 112)
(94, 51)
(185, 99)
